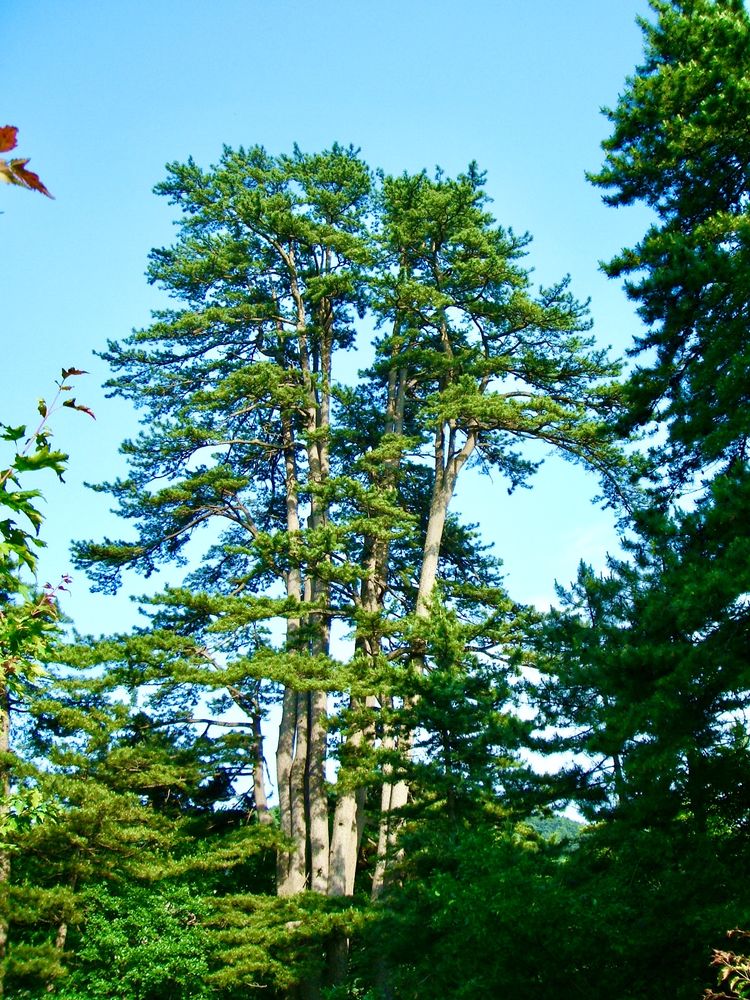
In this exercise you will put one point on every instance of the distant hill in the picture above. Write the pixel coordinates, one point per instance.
(556, 827)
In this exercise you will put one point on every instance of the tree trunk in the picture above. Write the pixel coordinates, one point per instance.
(60, 938)
(317, 378)
(318, 798)
(291, 864)
(349, 823)
(385, 831)
(449, 460)
(260, 798)
(395, 795)
(303, 732)
(343, 862)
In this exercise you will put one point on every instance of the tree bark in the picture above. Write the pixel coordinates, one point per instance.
(303, 732)
(385, 831)
(291, 865)
(291, 861)
(317, 378)
(449, 460)
(60, 938)
(260, 799)
(318, 799)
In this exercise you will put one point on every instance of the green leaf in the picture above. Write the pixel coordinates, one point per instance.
(12, 433)
(44, 458)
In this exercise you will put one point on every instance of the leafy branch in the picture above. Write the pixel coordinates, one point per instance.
(734, 972)
(15, 171)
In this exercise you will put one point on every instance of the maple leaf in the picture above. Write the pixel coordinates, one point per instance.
(28, 178)
(15, 171)
(8, 135)
(78, 406)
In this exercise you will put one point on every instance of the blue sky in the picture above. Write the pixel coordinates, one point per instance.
(104, 94)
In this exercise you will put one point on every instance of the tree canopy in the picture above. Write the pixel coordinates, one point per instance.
(334, 759)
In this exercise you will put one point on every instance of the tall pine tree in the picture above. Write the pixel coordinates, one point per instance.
(329, 503)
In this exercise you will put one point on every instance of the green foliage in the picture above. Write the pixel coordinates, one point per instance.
(679, 144)
(459, 706)
(327, 507)
(265, 942)
(27, 617)
(24, 808)
(320, 496)
(28, 629)
(482, 911)
(140, 943)
(658, 651)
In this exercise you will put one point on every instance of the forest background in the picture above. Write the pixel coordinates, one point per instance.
(136, 840)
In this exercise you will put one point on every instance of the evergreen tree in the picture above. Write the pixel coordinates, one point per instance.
(141, 812)
(331, 502)
(648, 663)
(679, 145)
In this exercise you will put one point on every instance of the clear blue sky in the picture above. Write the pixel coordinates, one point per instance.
(104, 94)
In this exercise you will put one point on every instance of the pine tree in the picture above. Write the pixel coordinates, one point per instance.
(141, 805)
(648, 662)
(330, 502)
(679, 145)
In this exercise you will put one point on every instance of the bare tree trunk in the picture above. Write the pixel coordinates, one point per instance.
(348, 829)
(349, 819)
(284, 750)
(291, 863)
(299, 798)
(260, 798)
(303, 734)
(441, 497)
(318, 798)
(449, 460)
(60, 938)
(385, 832)
(349, 822)
(343, 858)
(395, 795)
(318, 384)
(290, 773)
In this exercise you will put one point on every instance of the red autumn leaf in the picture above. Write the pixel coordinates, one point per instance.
(79, 406)
(67, 372)
(27, 178)
(8, 135)
(14, 171)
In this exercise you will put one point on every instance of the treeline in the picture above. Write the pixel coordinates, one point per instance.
(410, 850)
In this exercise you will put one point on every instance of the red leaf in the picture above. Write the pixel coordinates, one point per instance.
(8, 135)
(27, 177)
(67, 372)
(79, 406)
